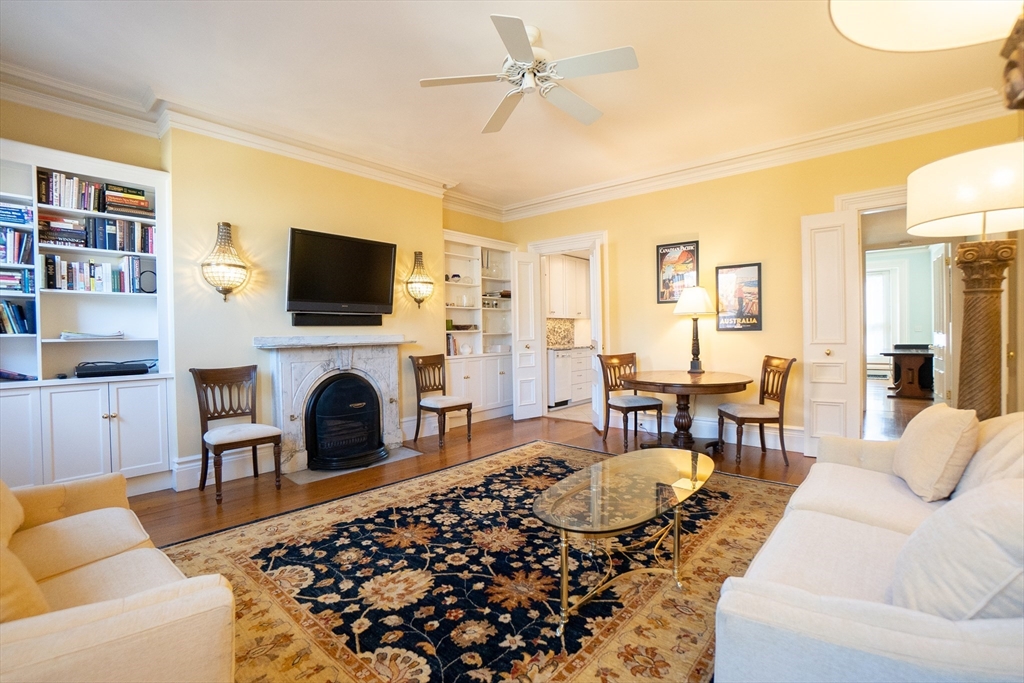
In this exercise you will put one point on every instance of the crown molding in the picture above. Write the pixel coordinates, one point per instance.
(77, 110)
(455, 201)
(872, 200)
(973, 107)
(321, 156)
(33, 80)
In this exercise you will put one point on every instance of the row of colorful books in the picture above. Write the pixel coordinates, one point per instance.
(17, 214)
(71, 192)
(17, 318)
(23, 281)
(98, 233)
(12, 376)
(82, 276)
(15, 246)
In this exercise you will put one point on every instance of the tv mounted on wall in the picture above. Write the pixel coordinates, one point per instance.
(338, 276)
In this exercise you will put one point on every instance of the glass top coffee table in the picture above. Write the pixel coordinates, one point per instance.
(618, 495)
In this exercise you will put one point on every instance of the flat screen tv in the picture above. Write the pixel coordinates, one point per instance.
(337, 274)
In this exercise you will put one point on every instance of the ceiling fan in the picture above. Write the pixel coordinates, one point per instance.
(531, 69)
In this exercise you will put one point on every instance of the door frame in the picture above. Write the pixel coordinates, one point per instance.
(596, 243)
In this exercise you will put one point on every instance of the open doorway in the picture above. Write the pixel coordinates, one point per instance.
(907, 325)
(566, 295)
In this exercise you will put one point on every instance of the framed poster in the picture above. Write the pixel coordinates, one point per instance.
(677, 268)
(739, 296)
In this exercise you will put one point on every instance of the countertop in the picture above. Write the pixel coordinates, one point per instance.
(568, 348)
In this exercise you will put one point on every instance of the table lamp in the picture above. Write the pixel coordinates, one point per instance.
(694, 301)
(972, 194)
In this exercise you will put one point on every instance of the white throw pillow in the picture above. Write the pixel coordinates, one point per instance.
(1000, 453)
(966, 561)
(934, 450)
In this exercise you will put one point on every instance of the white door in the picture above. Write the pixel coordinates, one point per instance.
(76, 431)
(582, 289)
(941, 332)
(596, 303)
(527, 337)
(138, 427)
(556, 287)
(833, 365)
(21, 454)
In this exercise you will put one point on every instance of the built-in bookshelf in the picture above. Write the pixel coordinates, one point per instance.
(85, 251)
(478, 299)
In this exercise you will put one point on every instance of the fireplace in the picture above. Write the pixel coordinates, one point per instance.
(343, 425)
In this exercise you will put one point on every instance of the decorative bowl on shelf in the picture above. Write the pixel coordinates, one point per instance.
(463, 327)
(465, 349)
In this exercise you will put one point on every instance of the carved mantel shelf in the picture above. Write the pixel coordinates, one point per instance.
(300, 341)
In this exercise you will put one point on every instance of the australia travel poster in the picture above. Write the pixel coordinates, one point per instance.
(739, 296)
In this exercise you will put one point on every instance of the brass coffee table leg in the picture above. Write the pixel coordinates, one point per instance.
(564, 555)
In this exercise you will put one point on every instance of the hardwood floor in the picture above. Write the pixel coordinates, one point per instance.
(170, 516)
(885, 418)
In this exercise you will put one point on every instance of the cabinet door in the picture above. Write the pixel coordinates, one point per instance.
(569, 286)
(76, 432)
(556, 287)
(491, 389)
(21, 454)
(474, 378)
(505, 380)
(138, 427)
(455, 378)
(582, 284)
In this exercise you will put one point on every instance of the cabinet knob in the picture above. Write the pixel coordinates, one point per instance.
(501, 372)
(828, 352)
(465, 377)
(113, 415)
(105, 416)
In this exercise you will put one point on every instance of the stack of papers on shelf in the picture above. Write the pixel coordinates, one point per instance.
(71, 336)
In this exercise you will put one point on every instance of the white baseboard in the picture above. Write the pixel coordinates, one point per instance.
(148, 483)
(429, 425)
(707, 428)
(235, 464)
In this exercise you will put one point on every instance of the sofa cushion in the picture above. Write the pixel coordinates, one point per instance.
(967, 560)
(11, 514)
(829, 556)
(861, 495)
(1000, 453)
(72, 542)
(934, 450)
(20, 596)
(114, 577)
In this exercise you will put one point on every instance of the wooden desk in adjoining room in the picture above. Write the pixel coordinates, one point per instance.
(911, 373)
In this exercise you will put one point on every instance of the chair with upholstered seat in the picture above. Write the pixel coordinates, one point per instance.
(430, 377)
(231, 393)
(613, 367)
(774, 377)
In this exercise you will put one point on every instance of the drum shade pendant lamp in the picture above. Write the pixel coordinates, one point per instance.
(695, 302)
(419, 285)
(224, 269)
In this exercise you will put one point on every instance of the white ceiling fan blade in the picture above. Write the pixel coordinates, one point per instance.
(504, 110)
(572, 104)
(513, 34)
(459, 80)
(619, 59)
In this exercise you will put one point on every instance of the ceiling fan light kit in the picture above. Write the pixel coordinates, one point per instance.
(531, 69)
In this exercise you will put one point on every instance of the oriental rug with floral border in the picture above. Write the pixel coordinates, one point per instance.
(449, 577)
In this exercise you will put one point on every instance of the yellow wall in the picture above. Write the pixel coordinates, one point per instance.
(262, 195)
(43, 128)
(753, 217)
(474, 225)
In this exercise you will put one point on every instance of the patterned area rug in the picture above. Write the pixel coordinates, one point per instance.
(449, 577)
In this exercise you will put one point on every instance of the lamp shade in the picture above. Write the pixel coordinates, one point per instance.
(968, 194)
(419, 285)
(923, 25)
(694, 301)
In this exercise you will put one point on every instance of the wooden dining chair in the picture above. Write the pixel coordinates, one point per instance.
(613, 367)
(774, 377)
(430, 377)
(231, 393)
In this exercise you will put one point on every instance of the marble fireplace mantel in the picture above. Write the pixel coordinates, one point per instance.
(302, 362)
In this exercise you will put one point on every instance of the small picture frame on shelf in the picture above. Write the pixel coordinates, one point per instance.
(677, 268)
(739, 296)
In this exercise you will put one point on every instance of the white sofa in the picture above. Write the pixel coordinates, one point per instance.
(817, 602)
(85, 596)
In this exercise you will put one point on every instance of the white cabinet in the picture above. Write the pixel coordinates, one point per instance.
(568, 287)
(20, 449)
(466, 379)
(505, 380)
(96, 428)
(484, 380)
(582, 375)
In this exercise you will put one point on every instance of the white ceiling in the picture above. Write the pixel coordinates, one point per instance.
(716, 79)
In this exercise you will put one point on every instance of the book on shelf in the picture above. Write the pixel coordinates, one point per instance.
(15, 213)
(71, 192)
(98, 233)
(89, 276)
(20, 281)
(77, 336)
(17, 318)
(11, 376)
(15, 246)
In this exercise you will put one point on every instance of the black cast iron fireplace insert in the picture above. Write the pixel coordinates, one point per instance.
(343, 424)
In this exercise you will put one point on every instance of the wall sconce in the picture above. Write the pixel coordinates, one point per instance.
(694, 301)
(419, 285)
(223, 268)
